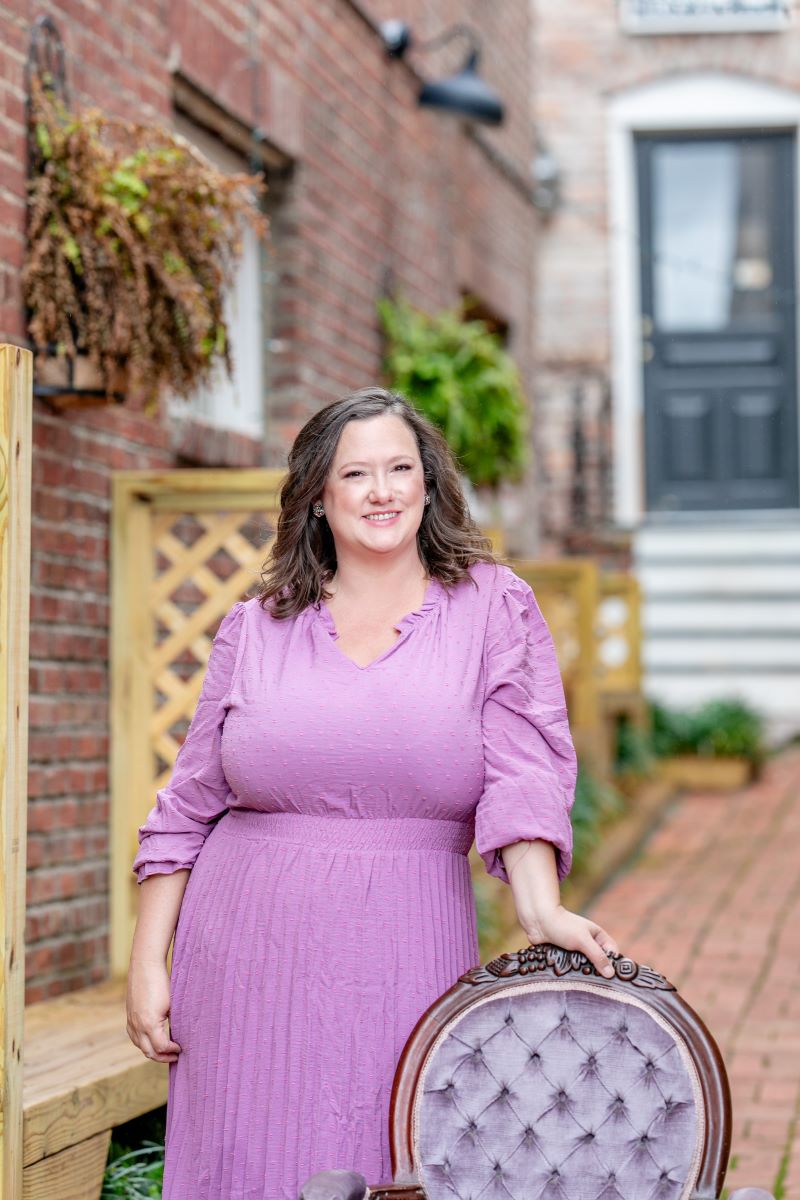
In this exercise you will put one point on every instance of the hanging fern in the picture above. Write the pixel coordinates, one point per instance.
(132, 241)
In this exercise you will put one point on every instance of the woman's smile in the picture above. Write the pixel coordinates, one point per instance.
(382, 518)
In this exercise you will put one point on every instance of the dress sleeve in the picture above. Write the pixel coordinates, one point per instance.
(529, 759)
(197, 793)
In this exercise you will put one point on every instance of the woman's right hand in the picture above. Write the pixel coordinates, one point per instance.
(148, 1003)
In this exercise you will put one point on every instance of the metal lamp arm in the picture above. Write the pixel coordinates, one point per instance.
(441, 39)
(397, 38)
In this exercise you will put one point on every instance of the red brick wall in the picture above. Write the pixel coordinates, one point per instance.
(582, 59)
(379, 187)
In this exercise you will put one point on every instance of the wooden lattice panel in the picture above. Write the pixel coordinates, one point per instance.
(203, 563)
(186, 546)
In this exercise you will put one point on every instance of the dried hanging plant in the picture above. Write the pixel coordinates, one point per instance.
(132, 240)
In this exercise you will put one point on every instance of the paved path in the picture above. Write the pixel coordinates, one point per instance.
(713, 902)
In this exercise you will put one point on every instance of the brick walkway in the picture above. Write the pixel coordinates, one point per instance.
(713, 901)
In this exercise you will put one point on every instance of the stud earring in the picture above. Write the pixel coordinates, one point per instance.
(318, 510)
(427, 498)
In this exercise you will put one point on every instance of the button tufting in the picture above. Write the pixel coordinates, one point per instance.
(510, 1019)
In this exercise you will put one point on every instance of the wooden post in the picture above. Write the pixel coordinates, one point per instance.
(15, 488)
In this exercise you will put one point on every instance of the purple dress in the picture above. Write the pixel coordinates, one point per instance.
(327, 811)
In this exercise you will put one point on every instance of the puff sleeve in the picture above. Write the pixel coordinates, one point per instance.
(197, 793)
(529, 759)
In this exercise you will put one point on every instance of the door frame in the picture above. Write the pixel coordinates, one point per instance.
(712, 102)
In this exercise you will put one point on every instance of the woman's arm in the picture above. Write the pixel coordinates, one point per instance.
(148, 998)
(532, 873)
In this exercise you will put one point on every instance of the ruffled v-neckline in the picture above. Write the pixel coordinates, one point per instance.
(433, 594)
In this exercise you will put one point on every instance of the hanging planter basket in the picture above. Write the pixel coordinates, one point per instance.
(76, 382)
(133, 237)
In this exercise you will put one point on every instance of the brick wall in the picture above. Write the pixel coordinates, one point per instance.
(583, 59)
(379, 190)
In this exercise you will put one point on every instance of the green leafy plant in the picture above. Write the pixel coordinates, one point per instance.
(132, 240)
(596, 804)
(717, 729)
(459, 375)
(134, 1174)
(634, 755)
(135, 1166)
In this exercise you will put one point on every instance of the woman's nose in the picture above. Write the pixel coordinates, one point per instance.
(381, 489)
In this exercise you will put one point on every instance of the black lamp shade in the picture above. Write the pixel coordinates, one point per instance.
(464, 94)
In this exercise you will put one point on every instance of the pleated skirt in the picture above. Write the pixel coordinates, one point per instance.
(306, 949)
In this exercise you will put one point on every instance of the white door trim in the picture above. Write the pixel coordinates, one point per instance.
(691, 102)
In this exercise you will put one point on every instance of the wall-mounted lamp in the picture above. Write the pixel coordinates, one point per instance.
(546, 181)
(464, 94)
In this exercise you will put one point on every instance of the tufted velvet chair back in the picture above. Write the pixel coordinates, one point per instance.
(535, 1077)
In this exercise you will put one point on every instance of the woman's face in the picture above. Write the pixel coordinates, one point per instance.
(376, 470)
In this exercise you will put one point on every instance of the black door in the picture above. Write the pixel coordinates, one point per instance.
(718, 321)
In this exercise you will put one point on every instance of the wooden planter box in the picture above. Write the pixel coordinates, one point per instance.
(707, 774)
(80, 387)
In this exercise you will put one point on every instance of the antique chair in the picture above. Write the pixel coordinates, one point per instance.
(534, 1077)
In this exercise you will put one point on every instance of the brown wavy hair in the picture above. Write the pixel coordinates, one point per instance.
(302, 557)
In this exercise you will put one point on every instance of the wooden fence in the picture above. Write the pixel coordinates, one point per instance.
(15, 485)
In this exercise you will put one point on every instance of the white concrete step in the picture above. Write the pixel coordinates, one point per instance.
(721, 616)
(700, 615)
(707, 579)
(738, 542)
(709, 653)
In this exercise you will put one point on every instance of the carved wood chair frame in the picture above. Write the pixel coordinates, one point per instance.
(548, 963)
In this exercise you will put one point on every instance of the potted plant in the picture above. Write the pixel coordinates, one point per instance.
(132, 237)
(718, 746)
(459, 375)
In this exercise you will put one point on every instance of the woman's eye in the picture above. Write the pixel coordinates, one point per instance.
(403, 467)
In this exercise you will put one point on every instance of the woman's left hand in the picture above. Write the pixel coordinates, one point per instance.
(531, 868)
(564, 928)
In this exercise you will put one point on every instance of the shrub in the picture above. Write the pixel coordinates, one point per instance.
(135, 1168)
(717, 729)
(634, 750)
(596, 803)
(134, 1174)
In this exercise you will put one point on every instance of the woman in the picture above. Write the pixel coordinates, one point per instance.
(392, 692)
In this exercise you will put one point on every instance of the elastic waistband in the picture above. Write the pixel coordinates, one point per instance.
(353, 833)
